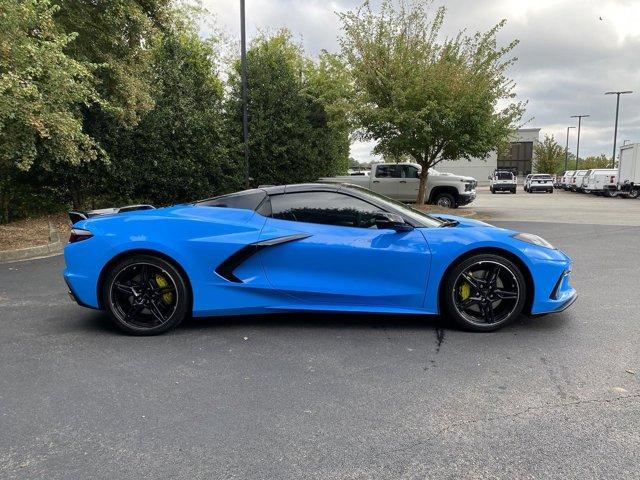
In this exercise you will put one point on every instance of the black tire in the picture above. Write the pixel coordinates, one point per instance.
(145, 295)
(513, 191)
(482, 297)
(609, 193)
(634, 193)
(550, 191)
(445, 200)
(492, 190)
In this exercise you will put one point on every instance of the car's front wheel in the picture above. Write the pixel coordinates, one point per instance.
(145, 295)
(484, 292)
(445, 200)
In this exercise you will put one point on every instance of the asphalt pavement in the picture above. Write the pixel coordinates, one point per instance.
(348, 397)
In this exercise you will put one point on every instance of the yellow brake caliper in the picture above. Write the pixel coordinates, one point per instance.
(465, 290)
(162, 282)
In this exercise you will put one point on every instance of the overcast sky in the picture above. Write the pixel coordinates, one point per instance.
(570, 53)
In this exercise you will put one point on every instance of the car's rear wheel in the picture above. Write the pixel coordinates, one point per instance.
(145, 295)
(484, 292)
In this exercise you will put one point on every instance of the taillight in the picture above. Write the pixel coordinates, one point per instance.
(611, 179)
(78, 234)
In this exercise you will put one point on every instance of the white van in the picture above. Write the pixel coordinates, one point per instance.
(597, 180)
(576, 180)
(566, 177)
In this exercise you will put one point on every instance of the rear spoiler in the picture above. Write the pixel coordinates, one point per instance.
(77, 216)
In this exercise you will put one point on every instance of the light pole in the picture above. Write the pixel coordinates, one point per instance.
(579, 117)
(243, 75)
(615, 129)
(566, 150)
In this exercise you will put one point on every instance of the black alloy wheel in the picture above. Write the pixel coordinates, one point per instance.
(484, 292)
(145, 295)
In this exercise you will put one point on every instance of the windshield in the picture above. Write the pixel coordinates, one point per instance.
(421, 218)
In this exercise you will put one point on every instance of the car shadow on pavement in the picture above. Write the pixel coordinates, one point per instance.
(99, 322)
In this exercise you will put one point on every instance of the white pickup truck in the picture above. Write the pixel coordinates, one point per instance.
(400, 181)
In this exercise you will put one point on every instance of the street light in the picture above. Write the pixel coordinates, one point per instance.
(579, 117)
(243, 74)
(566, 150)
(615, 130)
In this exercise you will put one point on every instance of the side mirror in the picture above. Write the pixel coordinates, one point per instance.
(489, 177)
(391, 221)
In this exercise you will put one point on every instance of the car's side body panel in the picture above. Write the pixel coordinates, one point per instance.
(348, 265)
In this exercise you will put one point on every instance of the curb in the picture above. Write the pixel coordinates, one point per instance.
(54, 247)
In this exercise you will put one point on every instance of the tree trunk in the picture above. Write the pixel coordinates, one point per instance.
(422, 189)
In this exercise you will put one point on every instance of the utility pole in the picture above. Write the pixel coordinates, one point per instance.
(566, 150)
(579, 117)
(615, 129)
(243, 74)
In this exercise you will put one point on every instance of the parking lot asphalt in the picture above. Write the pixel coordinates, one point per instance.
(328, 396)
(558, 207)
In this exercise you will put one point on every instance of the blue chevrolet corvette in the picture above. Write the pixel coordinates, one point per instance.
(308, 247)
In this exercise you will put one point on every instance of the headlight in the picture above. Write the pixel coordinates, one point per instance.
(533, 240)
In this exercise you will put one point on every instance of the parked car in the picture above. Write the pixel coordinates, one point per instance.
(539, 182)
(598, 179)
(524, 183)
(400, 181)
(502, 181)
(308, 248)
(629, 170)
(566, 179)
(576, 180)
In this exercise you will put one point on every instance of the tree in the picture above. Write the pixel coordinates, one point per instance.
(548, 156)
(298, 128)
(42, 91)
(178, 150)
(422, 98)
(596, 161)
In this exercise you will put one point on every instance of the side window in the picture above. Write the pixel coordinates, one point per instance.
(249, 200)
(388, 171)
(328, 208)
(409, 171)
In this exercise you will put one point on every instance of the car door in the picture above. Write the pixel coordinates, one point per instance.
(409, 183)
(385, 180)
(337, 255)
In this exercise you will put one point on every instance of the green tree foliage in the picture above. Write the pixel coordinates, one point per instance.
(595, 161)
(42, 91)
(548, 156)
(178, 151)
(298, 125)
(424, 98)
(115, 36)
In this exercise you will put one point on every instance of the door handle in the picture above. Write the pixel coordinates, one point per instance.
(376, 181)
(402, 181)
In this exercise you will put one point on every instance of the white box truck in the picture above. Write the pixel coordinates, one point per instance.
(629, 170)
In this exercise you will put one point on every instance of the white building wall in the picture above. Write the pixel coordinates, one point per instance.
(479, 168)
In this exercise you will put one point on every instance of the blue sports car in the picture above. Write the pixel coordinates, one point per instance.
(308, 247)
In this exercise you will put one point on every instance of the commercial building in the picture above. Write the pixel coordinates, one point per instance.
(519, 158)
